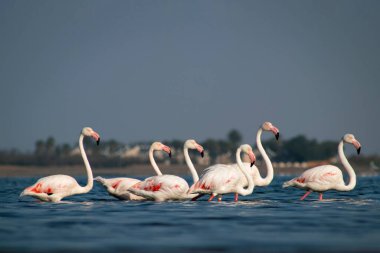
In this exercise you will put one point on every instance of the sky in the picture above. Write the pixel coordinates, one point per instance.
(156, 70)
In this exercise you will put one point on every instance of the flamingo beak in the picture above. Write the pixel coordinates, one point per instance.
(252, 158)
(167, 150)
(276, 132)
(96, 137)
(201, 150)
(357, 146)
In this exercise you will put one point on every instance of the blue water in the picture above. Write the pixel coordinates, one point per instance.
(270, 220)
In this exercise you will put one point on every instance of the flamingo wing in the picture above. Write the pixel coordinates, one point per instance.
(120, 184)
(164, 187)
(218, 179)
(56, 184)
(253, 171)
(118, 187)
(320, 178)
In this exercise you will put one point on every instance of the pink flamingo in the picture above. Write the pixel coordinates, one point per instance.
(327, 177)
(227, 181)
(214, 170)
(54, 188)
(168, 187)
(118, 187)
(257, 179)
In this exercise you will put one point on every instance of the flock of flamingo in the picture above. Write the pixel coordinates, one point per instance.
(217, 180)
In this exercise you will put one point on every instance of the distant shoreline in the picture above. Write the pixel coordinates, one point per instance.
(133, 170)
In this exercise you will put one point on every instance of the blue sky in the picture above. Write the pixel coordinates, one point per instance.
(153, 70)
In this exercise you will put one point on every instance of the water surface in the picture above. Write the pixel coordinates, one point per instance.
(272, 219)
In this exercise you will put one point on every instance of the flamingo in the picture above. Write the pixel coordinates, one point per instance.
(169, 187)
(118, 187)
(214, 170)
(54, 188)
(227, 181)
(327, 177)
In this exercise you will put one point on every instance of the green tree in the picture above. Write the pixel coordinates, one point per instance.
(50, 146)
(234, 137)
(212, 148)
(176, 144)
(113, 146)
(65, 149)
(39, 148)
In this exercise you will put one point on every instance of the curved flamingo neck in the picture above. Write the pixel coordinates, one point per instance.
(352, 183)
(269, 177)
(190, 164)
(250, 187)
(90, 180)
(153, 162)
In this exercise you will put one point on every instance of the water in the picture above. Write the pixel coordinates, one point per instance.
(270, 220)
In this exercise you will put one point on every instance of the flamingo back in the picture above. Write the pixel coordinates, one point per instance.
(118, 187)
(163, 187)
(219, 178)
(320, 178)
(57, 184)
(119, 184)
(53, 188)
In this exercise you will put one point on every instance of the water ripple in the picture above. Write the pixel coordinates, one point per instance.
(269, 220)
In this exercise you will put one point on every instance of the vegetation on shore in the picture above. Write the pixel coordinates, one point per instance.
(111, 152)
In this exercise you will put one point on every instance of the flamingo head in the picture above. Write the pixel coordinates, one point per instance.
(248, 150)
(267, 126)
(192, 144)
(350, 138)
(88, 131)
(159, 146)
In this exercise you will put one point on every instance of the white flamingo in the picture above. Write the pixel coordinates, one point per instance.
(54, 188)
(118, 187)
(227, 181)
(327, 177)
(214, 170)
(169, 187)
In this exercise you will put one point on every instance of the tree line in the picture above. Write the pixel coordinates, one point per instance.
(47, 152)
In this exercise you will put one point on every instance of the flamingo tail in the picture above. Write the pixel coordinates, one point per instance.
(100, 180)
(288, 184)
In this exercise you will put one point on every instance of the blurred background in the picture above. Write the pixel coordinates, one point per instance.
(140, 71)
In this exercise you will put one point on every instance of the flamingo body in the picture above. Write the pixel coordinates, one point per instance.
(318, 179)
(221, 179)
(53, 188)
(118, 187)
(161, 188)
